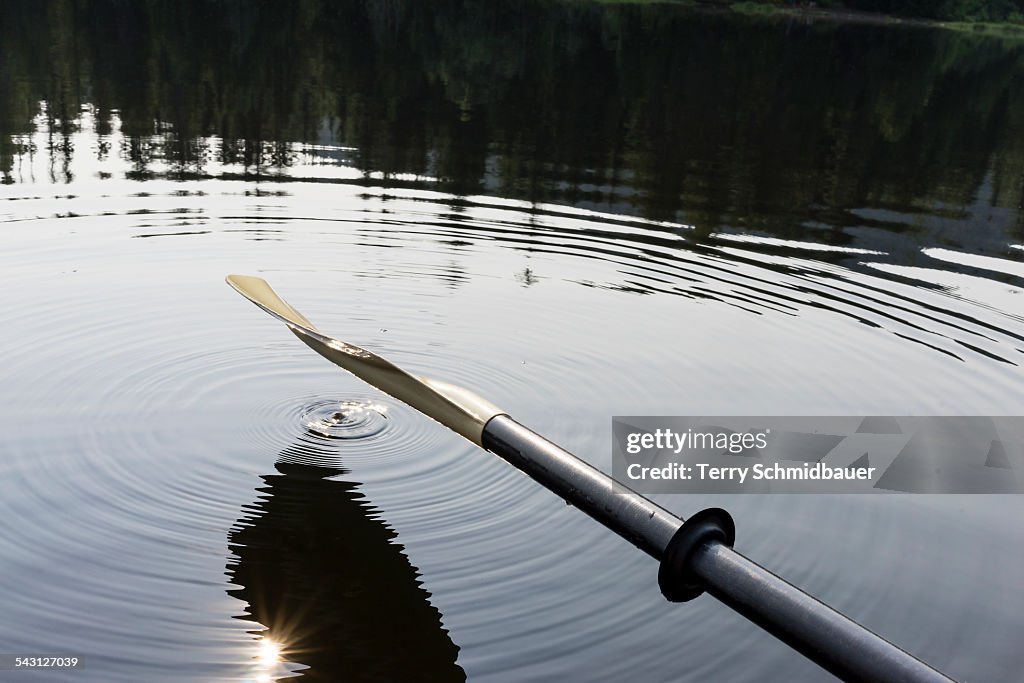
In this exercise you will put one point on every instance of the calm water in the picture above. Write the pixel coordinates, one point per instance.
(576, 210)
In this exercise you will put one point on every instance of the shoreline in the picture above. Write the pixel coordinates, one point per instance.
(832, 15)
(871, 18)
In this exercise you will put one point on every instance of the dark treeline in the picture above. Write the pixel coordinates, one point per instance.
(710, 119)
(945, 10)
(949, 10)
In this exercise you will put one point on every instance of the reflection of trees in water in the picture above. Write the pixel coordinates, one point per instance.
(738, 121)
(320, 570)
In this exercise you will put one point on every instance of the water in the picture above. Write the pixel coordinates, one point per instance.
(575, 210)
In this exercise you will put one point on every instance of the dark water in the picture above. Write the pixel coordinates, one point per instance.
(577, 210)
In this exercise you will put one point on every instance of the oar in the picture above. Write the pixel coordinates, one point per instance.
(696, 555)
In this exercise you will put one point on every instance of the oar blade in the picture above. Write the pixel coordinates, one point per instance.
(259, 291)
(455, 407)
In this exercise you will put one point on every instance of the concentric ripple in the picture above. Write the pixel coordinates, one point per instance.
(346, 419)
(339, 430)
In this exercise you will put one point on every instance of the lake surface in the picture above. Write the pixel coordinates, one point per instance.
(577, 210)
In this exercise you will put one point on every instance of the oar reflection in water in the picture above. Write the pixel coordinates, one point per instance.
(321, 570)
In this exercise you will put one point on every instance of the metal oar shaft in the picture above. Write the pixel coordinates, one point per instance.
(827, 637)
(648, 526)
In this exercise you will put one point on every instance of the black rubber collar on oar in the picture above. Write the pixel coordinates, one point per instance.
(677, 581)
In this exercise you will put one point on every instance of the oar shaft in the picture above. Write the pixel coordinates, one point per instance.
(648, 526)
(827, 637)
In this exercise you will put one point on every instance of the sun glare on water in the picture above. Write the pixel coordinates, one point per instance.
(269, 652)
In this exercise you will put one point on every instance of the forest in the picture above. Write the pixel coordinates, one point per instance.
(944, 10)
(708, 119)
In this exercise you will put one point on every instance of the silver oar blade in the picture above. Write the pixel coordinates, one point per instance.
(457, 408)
